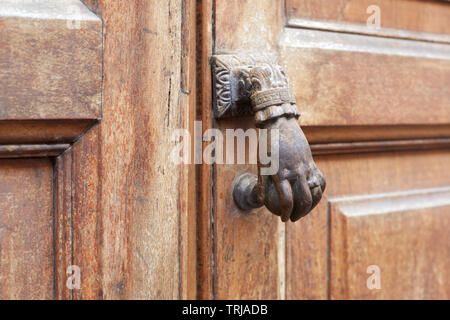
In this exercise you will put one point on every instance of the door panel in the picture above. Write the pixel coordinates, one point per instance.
(351, 80)
(249, 248)
(144, 228)
(50, 79)
(248, 251)
(26, 229)
(404, 235)
(315, 248)
(102, 194)
(49, 69)
(123, 212)
(418, 16)
(375, 109)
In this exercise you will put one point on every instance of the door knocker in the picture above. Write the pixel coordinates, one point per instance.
(256, 84)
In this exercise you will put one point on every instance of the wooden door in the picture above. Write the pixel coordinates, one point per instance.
(50, 80)
(92, 91)
(375, 105)
(90, 94)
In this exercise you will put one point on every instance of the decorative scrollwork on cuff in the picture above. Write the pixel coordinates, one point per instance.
(256, 84)
(251, 84)
(271, 97)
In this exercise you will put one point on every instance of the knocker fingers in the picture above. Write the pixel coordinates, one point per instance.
(317, 187)
(284, 190)
(303, 199)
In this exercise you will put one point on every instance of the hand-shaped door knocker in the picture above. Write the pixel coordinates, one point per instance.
(256, 84)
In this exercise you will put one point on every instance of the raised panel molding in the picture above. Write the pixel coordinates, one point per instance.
(26, 238)
(379, 146)
(404, 234)
(352, 80)
(50, 74)
(400, 18)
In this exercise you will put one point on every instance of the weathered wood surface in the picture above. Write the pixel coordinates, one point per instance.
(350, 89)
(405, 236)
(204, 176)
(144, 206)
(349, 134)
(26, 229)
(128, 213)
(248, 25)
(50, 60)
(413, 15)
(62, 197)
(357, 176)
(248, 250)
(32, 150)
(248, 246)
(42, 131)
(379, 146)
(354, 80)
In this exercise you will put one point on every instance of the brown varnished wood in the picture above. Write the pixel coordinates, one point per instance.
(379, 146)
(77, 220)
(26, 229)
(420, 16)
(345, 134)
(404, 234)
(252, 268)
(356, 94)
(187, 198)
(124, 213)
(94, 6)
(86, 219)
(32, 150)
(51, 95)
(248, 247)
(144, 208)
(63, 222)
(343, 86)
(205, 257)
(42, 81)
(308, 241)
(43, 131)
(248, 25)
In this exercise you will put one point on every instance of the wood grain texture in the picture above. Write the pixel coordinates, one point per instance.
(405, 235)
(379, 146)
(33, 150)
(188, 200)
(205, 256)
(85, 214)
(350, 88)
(352, 80)
(26, 229)
(248, 248)
(348, 134)
(142, 227)
(248, 25)
(94, 6)
(78, 223)
(414, 15)
(42, 131)
(50, 68)
(144, 210)
(63, 222)
(369, 31)
(355, 175)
